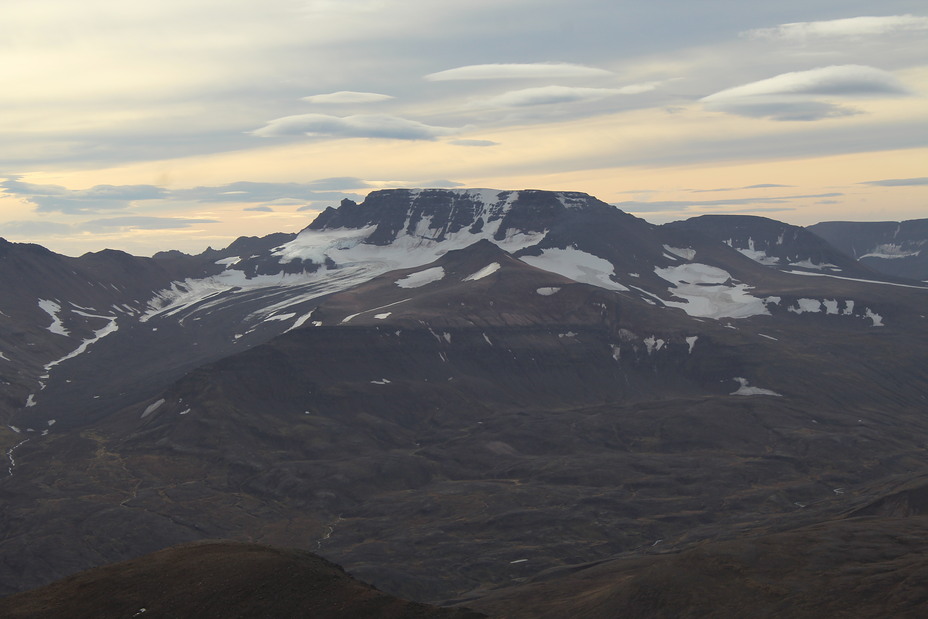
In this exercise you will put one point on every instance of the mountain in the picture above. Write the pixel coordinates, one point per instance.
(450, 392)
(774, 243)
(890, 247)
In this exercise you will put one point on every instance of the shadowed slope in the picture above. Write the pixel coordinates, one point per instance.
(860, 567)
(218, 579)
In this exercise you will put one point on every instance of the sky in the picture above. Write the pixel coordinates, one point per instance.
(181, 125)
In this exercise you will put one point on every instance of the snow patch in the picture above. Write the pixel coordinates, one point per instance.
(653, 344)
(760, 257)
(692, 342)
(373, 309)
(769, 337)
(299, 322)
(876, 318)
(280, 317)
(491, 268)
(547, 291)
(98, 335)
(710, 293)
(9, 452)
(890, 251)
(30, 401)
(578, 266)
(152, 408)
(51, 308)
(416, 280)
(382, 381)
(812, 306)
(808, 264)
(382, 316)
(745, 389)
(830, 307)
(685, 253)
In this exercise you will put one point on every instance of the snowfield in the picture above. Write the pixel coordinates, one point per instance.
(486, 271)
(578, 266)
(745, 389)
(52, 309)
(422, 278)
(710, 293)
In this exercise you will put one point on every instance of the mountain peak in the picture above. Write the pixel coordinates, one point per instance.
(447, 211)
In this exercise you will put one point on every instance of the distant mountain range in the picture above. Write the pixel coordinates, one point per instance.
(453, 392)
(894, 248)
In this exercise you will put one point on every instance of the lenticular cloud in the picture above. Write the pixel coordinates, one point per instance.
(840, 80)
(358, 126)
(795, 95)
(544, 70)
(848, 27)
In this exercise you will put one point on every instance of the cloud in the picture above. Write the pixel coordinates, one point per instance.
(788, 110)
(248, 191)
(849, 27)
(793, 96)
(357, 126)
(473, 143)
(142, 222)
(635, 206)
(348, 96)
(539, 70)
(431, 184)
(673, 205)
(339, 182)
(34, 228)
(899, 182)
(441, 184)
(48, 198)
(545, 95)
(262, 209)
(761, 186)
(837, 80)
